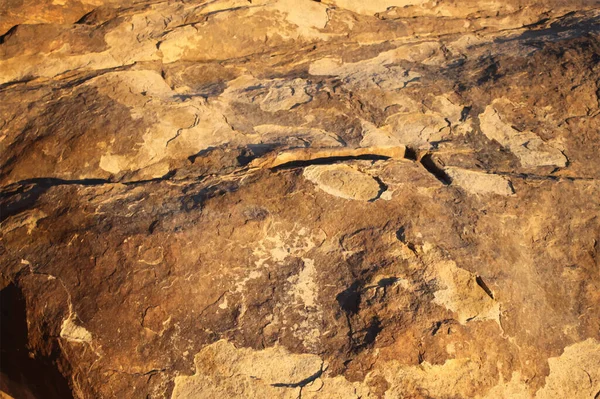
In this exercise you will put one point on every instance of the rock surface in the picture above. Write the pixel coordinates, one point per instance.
(343, 181)
(283, 199)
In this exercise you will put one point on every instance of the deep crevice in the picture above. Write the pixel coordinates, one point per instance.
(411, 154)
(484, 287)
(330, 161)
(439, 173)
(23, 375)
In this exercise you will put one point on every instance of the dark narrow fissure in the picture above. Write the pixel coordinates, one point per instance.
(330, 161)
(484, 287)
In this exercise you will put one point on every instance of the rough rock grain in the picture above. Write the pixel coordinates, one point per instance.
(343, 181)
(295, 198)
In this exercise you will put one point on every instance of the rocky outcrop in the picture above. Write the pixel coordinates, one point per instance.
(276, 198)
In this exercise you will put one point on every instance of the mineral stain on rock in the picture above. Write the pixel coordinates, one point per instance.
(299, 199)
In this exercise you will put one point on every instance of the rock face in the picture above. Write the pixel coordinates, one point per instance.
(284, 199)
(343, 181)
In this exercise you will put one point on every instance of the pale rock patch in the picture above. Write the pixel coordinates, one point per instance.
(270, 95)
(377, 137)
(343, 181)
(444, 105)
(336, 388)
(73, 332)
(515, 388)
(300, 135)
(459, 290)
(387, 195)
(479, 182)
(124, 48)
(418, 128)
(304, 285)
(271, 251)
(531, 150)
(374, 73)
(112, 163)
(248, 28)
(126, 87)
(279, 243)
(177, 129)
(284, 96)
(381, 72)
(374, 6)
(308, 16)
(463, 43)
(222, 370)
(574, 374)
(176, 43)
(304, 294)
(454, 378)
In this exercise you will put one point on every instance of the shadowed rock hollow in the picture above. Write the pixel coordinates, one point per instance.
(300, 199)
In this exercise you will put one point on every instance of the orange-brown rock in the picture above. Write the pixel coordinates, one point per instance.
(300, 199)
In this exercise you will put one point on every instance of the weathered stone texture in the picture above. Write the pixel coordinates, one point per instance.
(295, 198)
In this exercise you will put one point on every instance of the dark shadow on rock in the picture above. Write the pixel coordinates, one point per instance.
(569, 26)
(21, 375)
(23, 195)
(349, 299)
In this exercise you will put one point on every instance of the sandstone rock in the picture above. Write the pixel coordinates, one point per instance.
(74, 333)
(324, 154)
(295, 198)
(531, 150)
(222, 369)
(575, 372)
(343, 181)
(478, 182)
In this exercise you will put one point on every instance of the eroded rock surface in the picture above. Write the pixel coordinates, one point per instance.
(343, 181)
(284, 199)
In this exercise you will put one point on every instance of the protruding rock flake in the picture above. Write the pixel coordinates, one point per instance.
(332, 199)
(480, 182)
(343, 181)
